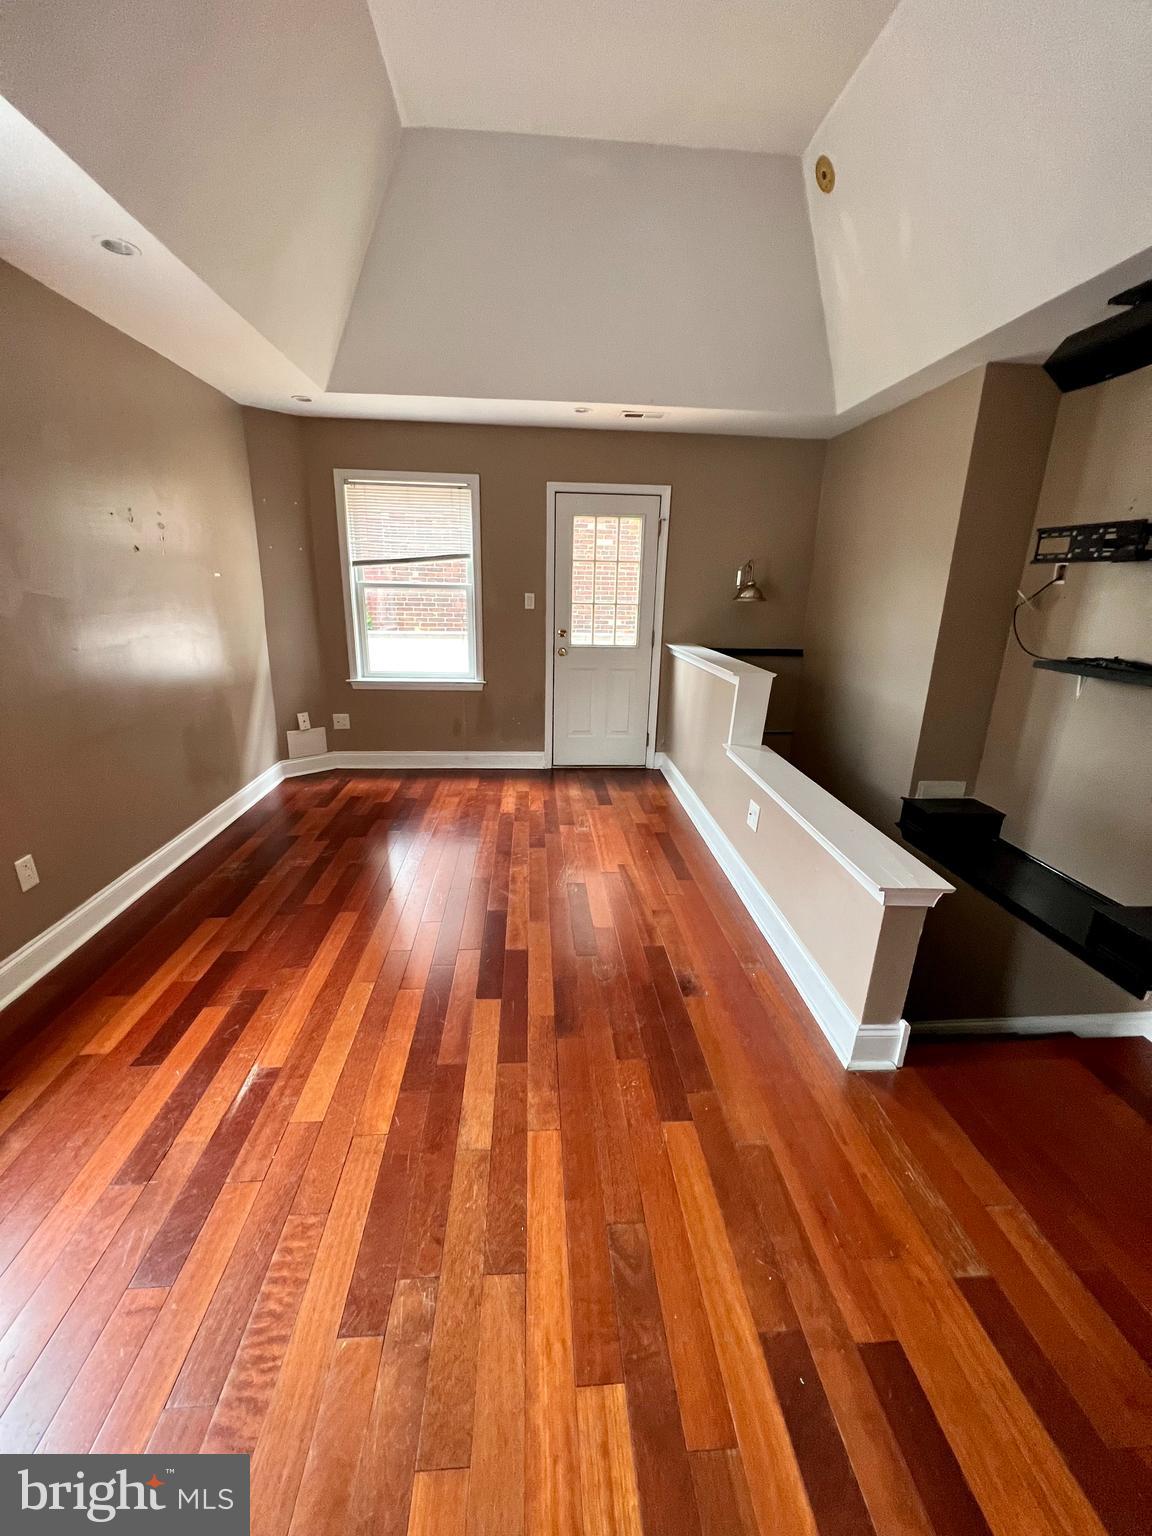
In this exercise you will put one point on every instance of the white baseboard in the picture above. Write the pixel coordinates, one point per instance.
(861, 1047)
(325, 762)
(43, 953)
(1089, 1025)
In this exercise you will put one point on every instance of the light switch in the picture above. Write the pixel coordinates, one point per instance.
(529, 599)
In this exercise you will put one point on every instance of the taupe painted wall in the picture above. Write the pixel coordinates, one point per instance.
(732, 498)
(889, 511)
(924, 518)
(1074, 775)
(284, 529)
(1005, 471)
(134, 684)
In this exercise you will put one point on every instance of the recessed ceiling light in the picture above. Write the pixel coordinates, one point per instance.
(120, 247)
(303, 399)
(583, 410)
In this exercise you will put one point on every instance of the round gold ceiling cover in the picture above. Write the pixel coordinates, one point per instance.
(825, 174)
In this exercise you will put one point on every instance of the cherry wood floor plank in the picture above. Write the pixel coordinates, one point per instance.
(145, 1391)
(326, 1489)
(1117, 1482)
(833, 1492)
(663, 1475)
(774, 1479)
(704, 1413)
(46, 1383)
(145, 1157)
(943, 1488)
(450, 1394)
(496, 1479)
(37, 1321)
(722, 1497)
(611, 1500)
(252, 1375)
(506, 1227)
(370, 1289)
(86, 1404)
(439, 1504)
(432, 1178)
(552, 1454)
(206, 1367)
(277, 1464)
(480, 1077)
(595, 1343)
(383, 1488)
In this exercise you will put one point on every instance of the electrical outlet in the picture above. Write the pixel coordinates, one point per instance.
(341, 722)
(27, 873)
(529, 599)
(753, 815)
(304, 720)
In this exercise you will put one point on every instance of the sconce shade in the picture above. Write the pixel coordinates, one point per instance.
(747, 590)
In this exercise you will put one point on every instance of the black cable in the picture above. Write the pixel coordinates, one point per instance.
(1027, 602)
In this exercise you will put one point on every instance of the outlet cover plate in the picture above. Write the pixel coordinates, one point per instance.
(27, 873)
(753, 817)
(341, 722)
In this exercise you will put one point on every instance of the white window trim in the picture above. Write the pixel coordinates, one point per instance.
(356, 678)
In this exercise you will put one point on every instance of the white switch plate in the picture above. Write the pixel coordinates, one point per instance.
(529, 599)
(27, 873)
(753, 815)
(941, 789)
(341, 722)
(304, 720)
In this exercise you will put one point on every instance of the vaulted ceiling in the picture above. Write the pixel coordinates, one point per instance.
(500, 210)
(742, 74)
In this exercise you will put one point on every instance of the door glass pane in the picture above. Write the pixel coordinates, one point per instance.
(581, 623)
(606, 562)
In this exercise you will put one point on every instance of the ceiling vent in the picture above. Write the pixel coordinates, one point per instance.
(642, 415)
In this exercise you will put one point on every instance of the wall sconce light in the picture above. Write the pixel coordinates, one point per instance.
(747, 590)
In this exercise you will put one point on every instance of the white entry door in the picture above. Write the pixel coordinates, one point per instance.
(606, 550)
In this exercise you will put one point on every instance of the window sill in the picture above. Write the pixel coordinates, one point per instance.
(428, 684)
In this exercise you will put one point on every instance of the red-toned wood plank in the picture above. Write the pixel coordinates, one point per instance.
(507, 1219)
(383, 1487)
(595, 1344)
(833, 1491)
(946, 1495)
(432, 1179)
(663, 1475)
(206, 1367)
(185, 1221)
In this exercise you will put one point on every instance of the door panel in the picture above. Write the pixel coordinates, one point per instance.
(606, 545)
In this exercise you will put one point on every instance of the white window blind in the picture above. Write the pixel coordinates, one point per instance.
(391, 520)
(411, 551)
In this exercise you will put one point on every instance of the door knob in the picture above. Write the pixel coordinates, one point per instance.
(563, 651)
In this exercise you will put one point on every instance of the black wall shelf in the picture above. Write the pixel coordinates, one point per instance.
(963, 837)
(1105, 674)
(759, 650)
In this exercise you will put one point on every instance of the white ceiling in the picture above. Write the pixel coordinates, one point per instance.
(708, 74)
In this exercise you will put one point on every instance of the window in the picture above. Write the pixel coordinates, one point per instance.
(411, 563)
(606, 556)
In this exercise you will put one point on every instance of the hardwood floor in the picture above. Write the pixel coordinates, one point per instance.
(455, 1146)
